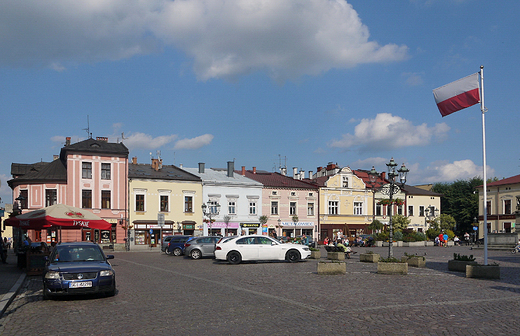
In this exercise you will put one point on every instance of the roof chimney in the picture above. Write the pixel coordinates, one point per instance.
(244, 170)
(55, 157)
(230, 168)
(310, 174)
(134, 160)
(201, 167)
(254, 170)
(156, 164)
(105, 139)
(295, 172)
(67, 141)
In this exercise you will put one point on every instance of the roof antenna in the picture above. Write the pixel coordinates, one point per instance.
(89, 135)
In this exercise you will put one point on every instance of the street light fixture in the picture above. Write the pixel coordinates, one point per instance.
(391, 189)
(209, 210)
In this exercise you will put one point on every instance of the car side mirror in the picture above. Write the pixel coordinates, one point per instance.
(110, 256)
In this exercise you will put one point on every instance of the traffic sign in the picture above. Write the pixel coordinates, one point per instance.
(160, 219)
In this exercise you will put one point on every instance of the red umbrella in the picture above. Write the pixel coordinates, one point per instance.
(62, 215)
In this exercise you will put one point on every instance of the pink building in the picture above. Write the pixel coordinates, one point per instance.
(90, 174)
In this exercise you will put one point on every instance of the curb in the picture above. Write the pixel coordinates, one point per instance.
(9, 297)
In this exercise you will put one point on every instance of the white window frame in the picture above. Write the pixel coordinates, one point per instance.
(310, 209)
(358, 208)
(333, 207)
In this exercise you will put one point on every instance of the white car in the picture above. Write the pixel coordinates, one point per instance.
(259, 247)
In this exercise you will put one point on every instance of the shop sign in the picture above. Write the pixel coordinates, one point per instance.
(289, 224)
(250, 225)
(189, 227)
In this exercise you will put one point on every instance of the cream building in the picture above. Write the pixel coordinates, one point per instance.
(158, 192)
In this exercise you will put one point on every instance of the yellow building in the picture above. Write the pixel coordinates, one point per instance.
(346, 205)
(160, 193)
(503, 199)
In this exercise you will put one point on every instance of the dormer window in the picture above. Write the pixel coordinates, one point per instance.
(345, 181)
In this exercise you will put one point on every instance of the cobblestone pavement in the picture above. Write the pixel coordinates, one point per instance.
(165, 295)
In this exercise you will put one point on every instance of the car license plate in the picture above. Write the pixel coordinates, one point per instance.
(80, 284)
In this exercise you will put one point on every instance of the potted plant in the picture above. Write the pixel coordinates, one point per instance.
(391, 265)
(315, 253)
(332, 267)
(483, 271)
(369, 256)
(414, 260)
(459, 263)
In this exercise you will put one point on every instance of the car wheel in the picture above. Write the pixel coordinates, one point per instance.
(234, 257)
(292, 256)
(177, 251)
(195, 254)
(167, 252)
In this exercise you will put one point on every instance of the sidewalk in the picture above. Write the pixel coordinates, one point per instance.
(11, 279)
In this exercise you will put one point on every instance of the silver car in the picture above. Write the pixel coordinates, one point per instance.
(200, 247)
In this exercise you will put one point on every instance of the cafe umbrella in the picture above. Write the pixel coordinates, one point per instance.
(58, 215)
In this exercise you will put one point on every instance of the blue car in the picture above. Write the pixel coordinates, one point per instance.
(176, 245)
(78, 268)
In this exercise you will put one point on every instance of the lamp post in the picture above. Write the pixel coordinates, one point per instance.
(391, 189)
(295, 221)
(280, 226)
(209, 210)
(431, 213)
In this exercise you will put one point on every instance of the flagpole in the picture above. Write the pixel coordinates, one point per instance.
(483, 110)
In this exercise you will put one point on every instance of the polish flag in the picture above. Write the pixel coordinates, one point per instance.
(457, 95)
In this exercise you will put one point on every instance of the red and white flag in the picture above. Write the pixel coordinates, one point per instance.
(457, 95)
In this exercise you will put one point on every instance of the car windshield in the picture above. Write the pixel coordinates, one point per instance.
(77, 253)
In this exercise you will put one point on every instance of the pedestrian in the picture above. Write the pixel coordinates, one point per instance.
(456, 241)
(445, 238)
(466, 238)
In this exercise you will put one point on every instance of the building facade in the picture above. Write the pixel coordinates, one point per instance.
(164, 200)
(90, 174)
(503, 199)
(291, 205)
(233, 200)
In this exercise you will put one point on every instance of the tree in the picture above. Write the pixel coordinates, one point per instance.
(447, 222)
(375, 226)
(460, 200)
(400, 222)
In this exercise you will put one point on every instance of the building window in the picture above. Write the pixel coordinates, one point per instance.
(310, 209)
(232, 207)
(358, 208)
(188, 203)
(345, 181)
(105, 171)
(139, 202)
(488, 205)
(252, 208)
(421, 211)
(507, 207)
(293, 193)
(274, 192)
(292, 208)
(24, 202)
(105, 199)
(213, 208)
(399, 209)
(86, 199)
(379, 210)
(50, 197)
(274, 208)
(333, 207)
(163, 199)
(410, 210)
(86, 170)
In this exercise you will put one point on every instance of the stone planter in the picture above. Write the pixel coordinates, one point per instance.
(459, 265)
(430, 243)
(315, 254)
(379, 243)
(392, 268)
(369, 257)
(413, 244)
(414, 261)
(483, 271)
(332, 268)
(336, 255)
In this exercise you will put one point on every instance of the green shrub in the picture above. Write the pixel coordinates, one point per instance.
(457, 256)
(391, 260)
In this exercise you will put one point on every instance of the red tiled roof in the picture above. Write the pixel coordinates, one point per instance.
(276, 180)
(510, 180)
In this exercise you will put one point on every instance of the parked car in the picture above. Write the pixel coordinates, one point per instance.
(199, 247)
(257, 247)
(176, 245)
(164, 244)
(78, 268)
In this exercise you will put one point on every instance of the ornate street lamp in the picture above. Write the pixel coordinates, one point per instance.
(391, 189)
(209, 210)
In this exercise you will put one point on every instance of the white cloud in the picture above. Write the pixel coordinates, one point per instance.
(146, 141)
(442, 171)
(226, 39)
(390, 132)
(194, 143)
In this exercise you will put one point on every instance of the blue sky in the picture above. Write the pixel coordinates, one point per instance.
(301, 83)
